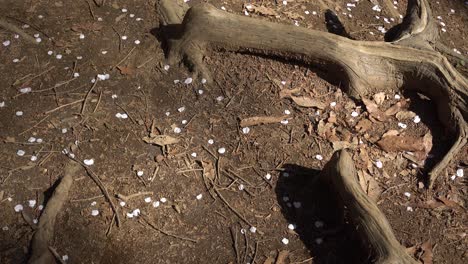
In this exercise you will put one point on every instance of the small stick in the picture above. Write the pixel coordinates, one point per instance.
(56, 255)
(167, 233)
(101, 186)
(34, 77)
(209, 151)
(144, 63)
(121, 61)
(87, 95)
(42, 120)
(4, 24)
(230, 207)
(62, 106)
(125, 198)
(87, 199)
(91, 10)
(234, 243)
(99, 100)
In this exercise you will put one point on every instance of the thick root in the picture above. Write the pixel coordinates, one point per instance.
(363, 68)
(371, 224)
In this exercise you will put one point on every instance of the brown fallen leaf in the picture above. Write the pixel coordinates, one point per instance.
(405, 115)
(126, 70)
(452, 204)
(269, 260)
(396, 108)
(287, 93)
(293, 15)
(369, 185)
(161, 140)
(379, 98)
(261, 120)
(305, 101)
(363, 125)
(401, 143)
(261, 10)
(282, 256)
(87, 26)
(374, 110)
(427, 255)
(208, 169)
(391, 133)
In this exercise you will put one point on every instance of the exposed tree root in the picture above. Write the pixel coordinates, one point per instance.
(44, 234)
(408, 62)
(371, 224)
(8, 26)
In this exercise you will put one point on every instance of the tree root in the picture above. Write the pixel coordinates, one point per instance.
(363, 68)
(8, 26)
(371, 224)
(44, 234)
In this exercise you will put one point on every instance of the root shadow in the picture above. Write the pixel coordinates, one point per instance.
(334, 242)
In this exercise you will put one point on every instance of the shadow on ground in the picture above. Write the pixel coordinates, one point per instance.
(320, 220)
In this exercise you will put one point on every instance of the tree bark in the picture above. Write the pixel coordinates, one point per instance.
(408, 62)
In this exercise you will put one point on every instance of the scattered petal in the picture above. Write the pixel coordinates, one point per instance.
(95, 212)
(18, 208)
(199, 196)
(285, 241)
(222, 150)
(20, 152)
(88, 162)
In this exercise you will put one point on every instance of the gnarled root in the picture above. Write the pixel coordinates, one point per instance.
(371, 224)
(409, 62)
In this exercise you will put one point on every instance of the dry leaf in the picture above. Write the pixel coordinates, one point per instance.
(293, 15)
(261, 10)
(374, 110)
(286, 93)
(308, 102)
(401, 143)
(161, 140)
(363, 125)
(87, 26)
(260, 120)
(405, 115)
(390, 133)
(338, 145)
(455, 206)
(282, 256)
(396, 108)
(379, 98)
(125, 70)
(369, 185)
(427, 252)
(208, 169)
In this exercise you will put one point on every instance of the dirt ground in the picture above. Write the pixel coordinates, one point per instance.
(265, 201)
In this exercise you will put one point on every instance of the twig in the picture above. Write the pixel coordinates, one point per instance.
(56, 255)
(62, 106)
(42, 120)
(4, 24)
(97, 104)
(125, 198)
(34, 77)
(144, 63)
(101, 186)
(124, 58)
(87, 95)
(234, 243)
(167, 233)
(87, 199)
(230, 207)
(91, 10)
